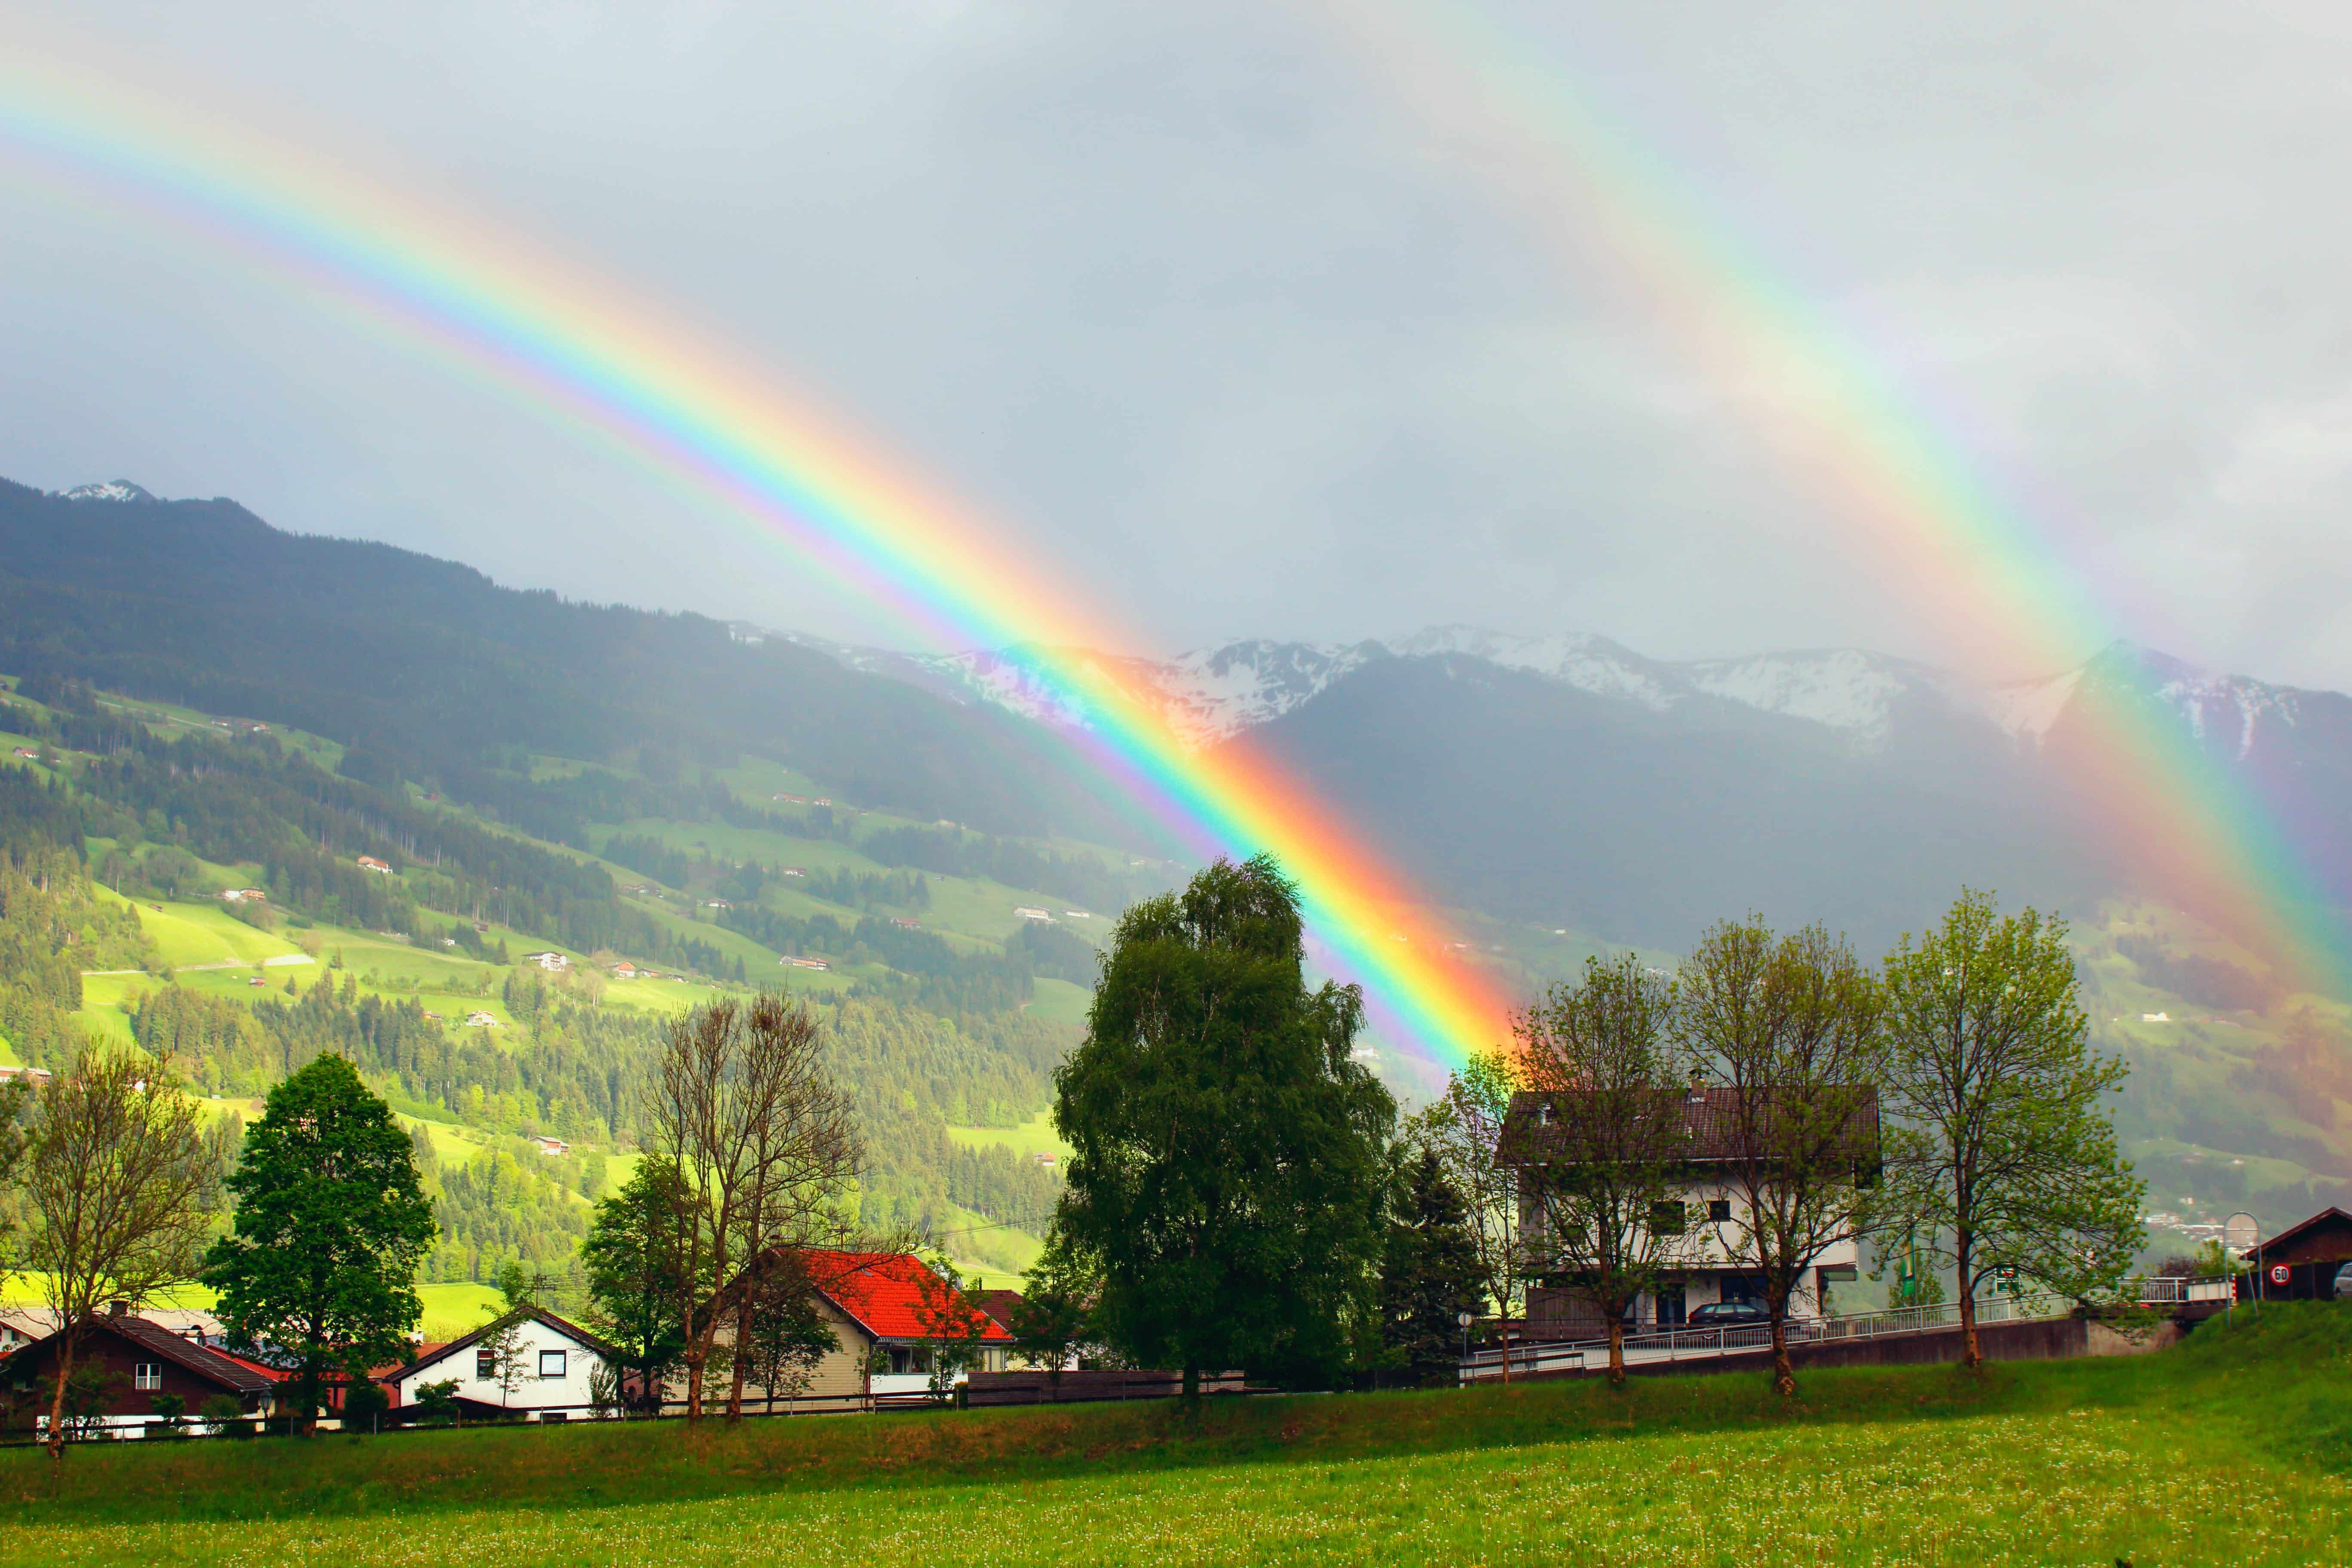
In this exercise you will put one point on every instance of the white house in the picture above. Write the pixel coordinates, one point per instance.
(553, 962)
(546, 1379)
(1704, 1255)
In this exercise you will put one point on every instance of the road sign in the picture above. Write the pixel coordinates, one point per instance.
(2281, 1274)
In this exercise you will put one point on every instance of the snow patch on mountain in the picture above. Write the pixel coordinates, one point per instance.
(1846, 689)
(108, 489)
(1581, 659)
(2025, 709)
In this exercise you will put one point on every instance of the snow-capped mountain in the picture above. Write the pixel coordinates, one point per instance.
(107, 490)
(1870, 701)
(2234, 715)
(1210, 694)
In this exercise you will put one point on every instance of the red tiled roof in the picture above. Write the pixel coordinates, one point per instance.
(879, 1290)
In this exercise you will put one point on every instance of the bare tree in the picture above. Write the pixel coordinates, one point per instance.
(745, 1109)
(1604, 1137)
(1464, 1128)
(121, 1184)
(1790, 1029)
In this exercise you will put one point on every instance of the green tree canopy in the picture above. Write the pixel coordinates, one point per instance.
(636, 1260)
(1228, 1167)
(330, 1224)
(2004, 1153)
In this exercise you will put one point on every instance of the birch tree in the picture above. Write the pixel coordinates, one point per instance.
(1790, 1030)
(2005, 1153)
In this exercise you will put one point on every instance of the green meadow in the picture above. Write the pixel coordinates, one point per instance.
(2236, 1448)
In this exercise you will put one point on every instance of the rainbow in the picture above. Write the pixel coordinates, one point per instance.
(655, 390)
(1969, 558)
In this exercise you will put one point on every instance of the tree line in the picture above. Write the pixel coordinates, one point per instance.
(1241, 1194)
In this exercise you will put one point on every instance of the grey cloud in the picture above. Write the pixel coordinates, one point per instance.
(1189, 303)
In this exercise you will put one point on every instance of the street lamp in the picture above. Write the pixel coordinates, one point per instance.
(1466, 1319)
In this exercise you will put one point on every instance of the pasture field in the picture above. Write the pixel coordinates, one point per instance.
(2233, 1449)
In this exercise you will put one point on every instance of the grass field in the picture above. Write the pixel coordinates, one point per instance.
(2233, 1449)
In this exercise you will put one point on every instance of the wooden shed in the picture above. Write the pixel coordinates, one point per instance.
(2311, 1254)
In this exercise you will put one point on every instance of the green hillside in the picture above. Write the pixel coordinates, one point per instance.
(131, 819)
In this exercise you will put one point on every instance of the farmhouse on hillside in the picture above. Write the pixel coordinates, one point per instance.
(548, 1378)
(140, 1359)
(370, 863)
(1704, 1268)
(552, 962)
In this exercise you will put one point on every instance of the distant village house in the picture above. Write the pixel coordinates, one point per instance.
(370, 863)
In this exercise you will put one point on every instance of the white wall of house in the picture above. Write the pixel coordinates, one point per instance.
(555, 1373)
(1708, 1249)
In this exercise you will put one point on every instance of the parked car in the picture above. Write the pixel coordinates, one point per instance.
(1729, 1315)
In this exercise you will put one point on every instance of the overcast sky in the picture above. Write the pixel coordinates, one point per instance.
(1211, 319)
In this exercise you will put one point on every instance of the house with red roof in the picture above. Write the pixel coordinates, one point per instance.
(887, 1311)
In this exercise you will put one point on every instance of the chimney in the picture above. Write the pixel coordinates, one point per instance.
(1697, 1085)
(118, 1308)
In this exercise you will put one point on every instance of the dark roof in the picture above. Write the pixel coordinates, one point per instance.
(210, 1365)
(1709, 1119)
(443, 1352)
(2294, 1231)
(998, 1304)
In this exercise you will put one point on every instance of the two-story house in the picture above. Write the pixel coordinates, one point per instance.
(1703, 1233)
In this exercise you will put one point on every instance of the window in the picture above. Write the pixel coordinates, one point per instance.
(147, 1374)
(1669, 1219)
(485, 1365)
(550, 1363)
(1718, 1209)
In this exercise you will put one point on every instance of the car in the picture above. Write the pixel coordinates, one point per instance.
(1728, 1315)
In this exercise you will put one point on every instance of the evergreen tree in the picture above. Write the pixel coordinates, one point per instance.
(330, 1224)
(1229, 1165)
(1430, 1274)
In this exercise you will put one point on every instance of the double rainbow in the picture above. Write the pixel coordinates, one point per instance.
(1960, 552)
(659, 392)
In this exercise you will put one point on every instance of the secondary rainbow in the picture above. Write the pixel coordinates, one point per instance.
(1961, 550)
(656, 390)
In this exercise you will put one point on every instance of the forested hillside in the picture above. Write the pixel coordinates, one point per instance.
(368, 917)
(437, 674)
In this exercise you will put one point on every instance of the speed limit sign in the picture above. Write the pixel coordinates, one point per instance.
(2281, 1274)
